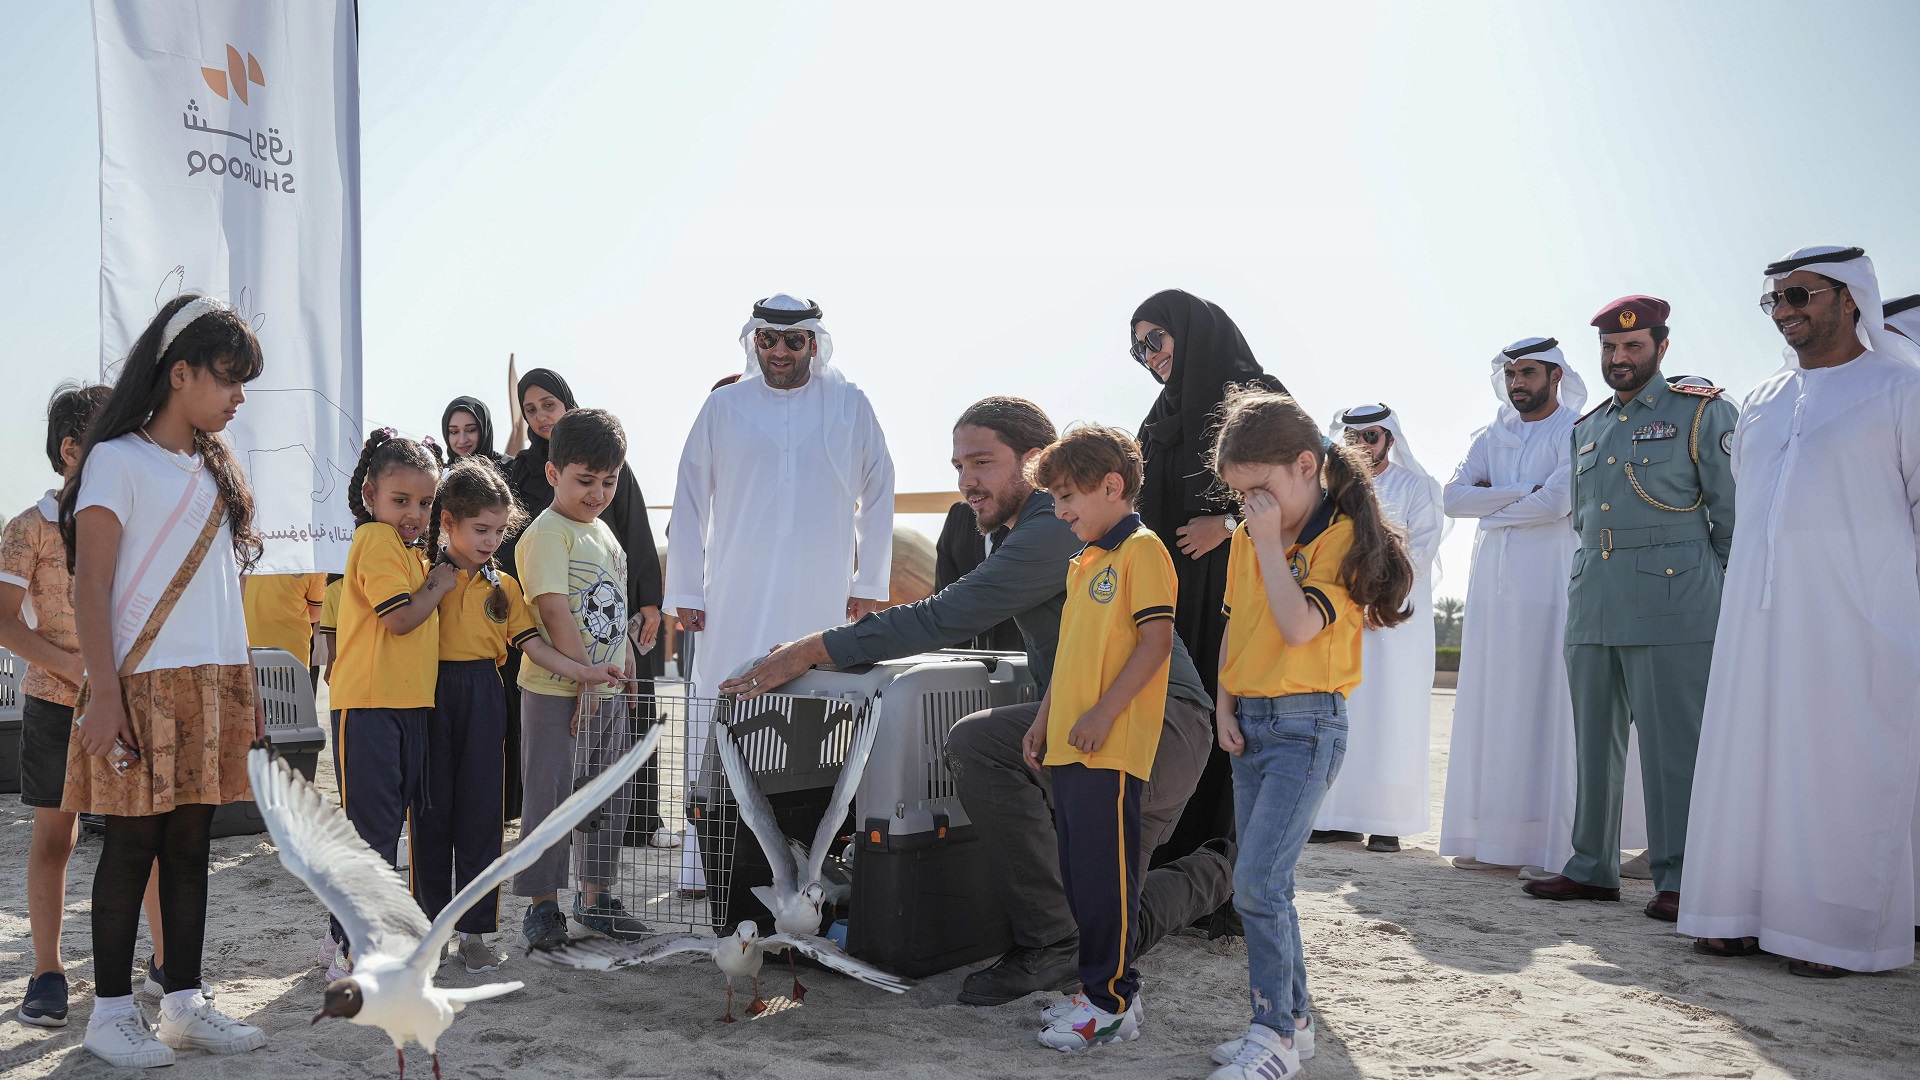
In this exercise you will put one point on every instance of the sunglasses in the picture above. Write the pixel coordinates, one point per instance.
(1793, 296)
(1147, 346)
(796, 339)
(1371, 436)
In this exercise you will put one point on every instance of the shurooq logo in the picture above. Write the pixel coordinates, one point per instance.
(241, 74)
(264, 148)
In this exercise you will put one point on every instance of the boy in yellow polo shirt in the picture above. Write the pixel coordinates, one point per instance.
(1099, 724)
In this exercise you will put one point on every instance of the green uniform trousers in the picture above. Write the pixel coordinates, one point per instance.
(1663, 690)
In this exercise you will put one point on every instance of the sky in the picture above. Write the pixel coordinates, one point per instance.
(1382, 196)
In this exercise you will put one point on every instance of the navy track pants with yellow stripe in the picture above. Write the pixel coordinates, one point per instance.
(381, 755)
(456, 834)
(1096, 815)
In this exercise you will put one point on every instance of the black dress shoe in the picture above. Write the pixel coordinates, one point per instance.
(1561, 887)
(1333, 836)
(1024, 970)
(1664, 906)
(1383, 843)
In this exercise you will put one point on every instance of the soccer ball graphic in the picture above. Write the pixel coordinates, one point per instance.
(603, 612)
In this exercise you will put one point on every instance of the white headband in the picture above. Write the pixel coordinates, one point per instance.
(193, 309)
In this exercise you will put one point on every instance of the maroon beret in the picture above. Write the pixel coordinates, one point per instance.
(1632, 313)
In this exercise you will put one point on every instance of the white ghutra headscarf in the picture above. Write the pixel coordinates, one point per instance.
(1852, 268)
(1400, 453)
(1573, 390)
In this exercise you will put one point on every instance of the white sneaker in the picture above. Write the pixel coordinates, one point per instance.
(323, 956)
(127, 1041)
(1536, 873)
(1637, 868)
(1302, 1045)
(153, 990)
(339, 965)
(664, 837)
(1262, 1056)
(1084, 1026)
(1050, 1013)
(200, 1026)
(477, 956)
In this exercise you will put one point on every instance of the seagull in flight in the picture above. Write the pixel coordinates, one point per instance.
(797, 891)
(738, 955)
(395, 950)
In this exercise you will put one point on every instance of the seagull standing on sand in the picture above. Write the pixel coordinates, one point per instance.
(738, 956)
(395, 950)
(795, 897)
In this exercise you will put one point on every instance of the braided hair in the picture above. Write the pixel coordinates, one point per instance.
(472, 487)
(387, 449)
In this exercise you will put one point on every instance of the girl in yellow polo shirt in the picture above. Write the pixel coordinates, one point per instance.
(381, 684)
(458, 832)
(1313, 563)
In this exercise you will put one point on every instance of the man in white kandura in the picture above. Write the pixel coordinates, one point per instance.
(1800, 838)
(1510, 770)
(785, 488)
(1383, 786)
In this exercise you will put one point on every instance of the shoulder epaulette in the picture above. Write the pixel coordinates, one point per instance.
(1590, 412)
(1698, 391)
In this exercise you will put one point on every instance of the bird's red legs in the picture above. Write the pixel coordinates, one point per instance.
(436, 1065)
(728, 1017)
(799, 992)
(756, 1006)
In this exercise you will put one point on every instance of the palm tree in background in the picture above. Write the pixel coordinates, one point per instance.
(1448, 613)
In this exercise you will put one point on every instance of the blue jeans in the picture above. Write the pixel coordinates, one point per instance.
(1294, 748)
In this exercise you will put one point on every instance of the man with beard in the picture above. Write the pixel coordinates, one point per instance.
(783, 514)
(1384, 786)
(1810, 747)
(1510, 769)
(1010, 804)
(1653, 505)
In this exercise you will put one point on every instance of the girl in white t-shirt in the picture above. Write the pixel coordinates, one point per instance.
(158, 525)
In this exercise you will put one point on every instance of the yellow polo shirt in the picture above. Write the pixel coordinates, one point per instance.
(1259, 661)
(330, 606)
(375, 668)
(280, 611)
(468, 631)
(1116, 585)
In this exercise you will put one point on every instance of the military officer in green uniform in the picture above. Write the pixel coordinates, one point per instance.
(1653, 504)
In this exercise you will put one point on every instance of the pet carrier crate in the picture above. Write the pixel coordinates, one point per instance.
(285, 689)
(923, 896)
(12, 670)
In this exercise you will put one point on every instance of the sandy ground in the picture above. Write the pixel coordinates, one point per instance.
(1419, 970)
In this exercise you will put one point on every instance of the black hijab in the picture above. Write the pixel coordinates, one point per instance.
(529, 471)
(626, 515)
(483, 418)
(1208, 353)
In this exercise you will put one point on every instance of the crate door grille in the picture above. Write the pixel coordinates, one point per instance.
(939, 711)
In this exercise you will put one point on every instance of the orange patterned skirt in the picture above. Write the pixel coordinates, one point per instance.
(194, 726)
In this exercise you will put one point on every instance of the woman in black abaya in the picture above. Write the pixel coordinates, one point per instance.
(543, 398)
(1193, 349)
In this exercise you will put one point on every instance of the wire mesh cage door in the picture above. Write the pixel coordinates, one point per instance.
(635, 844)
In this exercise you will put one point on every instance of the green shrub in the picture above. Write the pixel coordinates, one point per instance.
(1446, 658)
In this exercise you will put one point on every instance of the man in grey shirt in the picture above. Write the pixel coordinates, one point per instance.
(1009, 802)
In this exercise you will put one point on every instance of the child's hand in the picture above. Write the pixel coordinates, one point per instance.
(597, 674)
(1033, 745)
(1228, 726)
(105, 722)
(1090, 731)
(443, 576)
(1263, 518)
(72, 669)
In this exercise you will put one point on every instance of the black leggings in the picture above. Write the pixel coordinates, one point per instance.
(180, 839)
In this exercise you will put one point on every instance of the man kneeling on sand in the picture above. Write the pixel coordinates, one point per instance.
(1011, 805)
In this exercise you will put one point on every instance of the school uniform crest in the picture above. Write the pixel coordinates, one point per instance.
(1104, 585)
(1297, 563)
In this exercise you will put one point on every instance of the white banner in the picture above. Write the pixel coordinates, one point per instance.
(230, 165)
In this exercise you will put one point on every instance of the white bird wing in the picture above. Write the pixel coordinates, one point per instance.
(462, 996)
(605, 954)
(843, 792)
(321, 847)
(829, 954)
(757, 812)
(534, 844)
